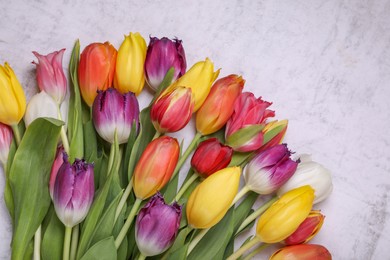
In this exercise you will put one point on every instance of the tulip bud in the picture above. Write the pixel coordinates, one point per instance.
(129, 71)
(58, 161)
(244, 129)
(307, 229)
(273, 133)
(50, 75)
(12, 99)
(157, 226)
(199, 79)
(42, 105)
(269, 170)
(172, 110)
(5, 142)
(302, 252)
(96, 69)
(313, 174)
(212, 198)
(219, 104)
(163, 54)
(113, 113)
(285, 215)
(211, 156)
(73, 191)
(155, 167)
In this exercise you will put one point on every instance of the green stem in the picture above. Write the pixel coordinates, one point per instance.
(196, 240)
(37, 243)
(111, 158)
(68, 234)
(123, 200)
(255, 214)
(64, 138)
(240, 194)
(244, 248)
(127, 225)
(186, 185)
(187, 153)
(256, 251)
(141, 256)
(17, 136)
(75, 242)
(156, 135)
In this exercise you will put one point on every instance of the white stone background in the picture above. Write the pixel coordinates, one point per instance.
(325, 65)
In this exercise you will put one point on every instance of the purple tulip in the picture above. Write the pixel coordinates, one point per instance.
(73, 191)
(163, 54)
(58, 161)
(157, 226)
(270, 169)
(113, 112)
(6, 137)
(50, 75)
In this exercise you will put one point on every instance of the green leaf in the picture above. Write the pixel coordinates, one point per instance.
(102, 250)
(244, 135)
(170, 189)
(239, 158)
(244, 209)
(129, 148)
(29, 180)
(180, 242)
(8, 197)
(53, 237)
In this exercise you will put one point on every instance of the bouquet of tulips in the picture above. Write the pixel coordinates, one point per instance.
(91, 175)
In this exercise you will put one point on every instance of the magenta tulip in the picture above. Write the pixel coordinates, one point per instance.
(5, 142)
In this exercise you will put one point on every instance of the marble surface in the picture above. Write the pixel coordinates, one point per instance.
(325, 65)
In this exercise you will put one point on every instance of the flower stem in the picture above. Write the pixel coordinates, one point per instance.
(156, 135)
(64, 138)
(37, 243)
(75, 242)
(127, 225)
(111, 158)
(255, 214)
(186, 185)
(256, 251)
(187, 153)
(124, 197)
(68, 234)
(141, 256)
(240, 194)
(16, 131)
(196, 240)
(244, 248)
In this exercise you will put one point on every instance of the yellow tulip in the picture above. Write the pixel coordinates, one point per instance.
(285, 215)
(12, 99)
(129, 71)
(210, 201)
(199, 78)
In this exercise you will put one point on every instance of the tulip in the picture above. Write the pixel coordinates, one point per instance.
(58, 161)
(302, 252)
(244, 129)
(96, 69)
(313, 174)
(210, 157)
(199, 78)
(155, 167)
(129, 71)
(219, 104)
(285, 215)
(269, 170)
(12, 99)
(50, 75)
(212, 198)
(273, 133)
(43, 105)
(157, 226)
(163, 54)
(307, 229)
(173, 110)
(114, 113)
(5, 142)
(73, 191)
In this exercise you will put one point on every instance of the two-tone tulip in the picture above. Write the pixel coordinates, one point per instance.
(307, 229)
(302, 252)
(219, 104)
(155, 166)
(96, 69)
(313, 174)
(212, 198)
(58, 161)
(211, 156)
(6, 137)
(157, 226)
(12, 99)
(73, 191)
(50, 75)
(114, 113)
(269, 170)
(273, 133)
(163, 54)
(172, 110)
(244, 128)
(129, 71)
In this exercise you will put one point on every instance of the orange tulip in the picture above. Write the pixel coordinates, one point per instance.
(302, 252)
